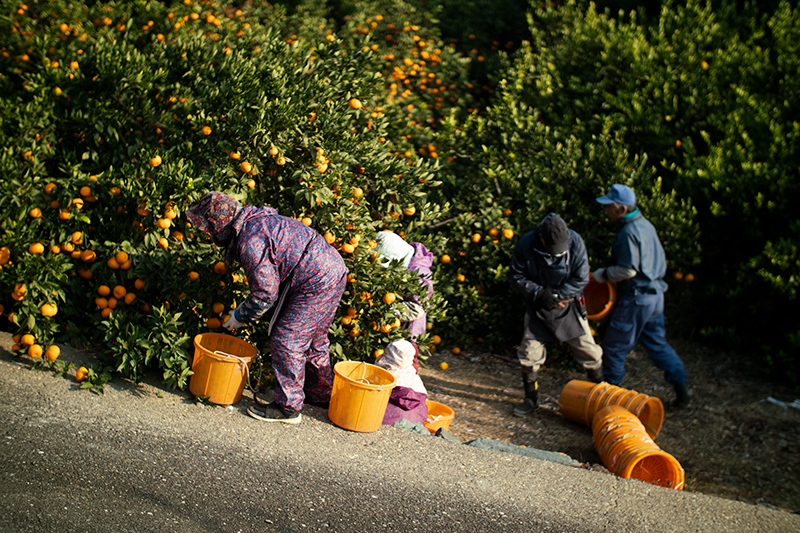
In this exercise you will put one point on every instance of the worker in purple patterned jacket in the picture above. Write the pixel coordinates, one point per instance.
(291, 267)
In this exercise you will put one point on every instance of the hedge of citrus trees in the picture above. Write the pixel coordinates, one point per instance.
(363, 116)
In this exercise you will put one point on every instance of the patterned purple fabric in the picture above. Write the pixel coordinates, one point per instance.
(407, 404)
(422, 263)
(271, 248)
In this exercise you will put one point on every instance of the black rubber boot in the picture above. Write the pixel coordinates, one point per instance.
(595, 375)
(682, 395)
(531, 402)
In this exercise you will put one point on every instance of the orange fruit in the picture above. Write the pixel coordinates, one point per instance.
(476, 237)
(146, 308)
(456, 350)
(436, 339)
(49, 188)
(377, 353)
(389, 298)
(121, 257)
(155, 161)
(348, 248)
(346, 320)
(307, 221)
(88, 256)
(130, 297)
(177, 235)
(36, 248)
(351, 312)
(163, 243)
(64, 214)
(52, 353)
(103, 290)
(105, 313)
(68, 247)
(27, 340)
(77, 237)
(112, 263)
(218, 308)
(677, 275)
(386, 328)
(78, 203)
(193, 276)
(220, 268)
(101, 303)
(358, 192)
(445, 259)
(139, 284)
(251, 184)
(85, 273)
(81, 374)
(164, 223)
(355, 103)
(35, 351)
(246, 167)
(688, 277)
(48, 310)
(213, 323)
(273, 151)
(444, 366)
(86, 191)
(170, 214)
(236, 155)
(35, 212)
(206, 130)
(508, 233)
(55, 249)
(493, 232)
(5, 255)
(329, 238)
(119, 292)
(280, 161)
(112, 303)
(461, 278)
(409, 211)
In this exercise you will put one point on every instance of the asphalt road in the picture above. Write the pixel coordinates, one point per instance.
(129, 460)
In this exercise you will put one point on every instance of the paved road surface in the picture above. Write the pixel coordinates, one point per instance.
(128, 460)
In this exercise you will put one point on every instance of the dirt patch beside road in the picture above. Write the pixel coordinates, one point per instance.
(730, 441)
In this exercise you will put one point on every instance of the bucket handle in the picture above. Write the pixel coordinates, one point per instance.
(364, 380)
(240, 362)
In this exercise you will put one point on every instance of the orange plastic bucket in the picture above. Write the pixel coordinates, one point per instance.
(439, 416)
(221, 364)
(360, 395)
(651, 413)
(653, 466)
(572, 401)
(600, 298)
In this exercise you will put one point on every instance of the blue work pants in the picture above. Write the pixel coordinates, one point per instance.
(639, 318)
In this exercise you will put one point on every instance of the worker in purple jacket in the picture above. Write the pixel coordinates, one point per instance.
(288, 266)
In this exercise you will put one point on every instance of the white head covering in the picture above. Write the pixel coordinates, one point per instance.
(398, 359)
(391, 246)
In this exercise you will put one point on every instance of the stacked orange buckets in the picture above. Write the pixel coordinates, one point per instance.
(581, 400)
(628, 451)
(624, 423)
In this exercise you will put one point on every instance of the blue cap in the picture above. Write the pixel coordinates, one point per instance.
(621, 194)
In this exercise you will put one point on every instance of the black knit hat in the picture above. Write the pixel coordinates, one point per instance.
(555, 234)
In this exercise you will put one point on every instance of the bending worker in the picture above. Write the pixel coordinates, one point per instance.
(550, 268)
(638, 269)
(290, 266)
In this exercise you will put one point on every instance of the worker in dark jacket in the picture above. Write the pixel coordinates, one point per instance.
(638, 268)
(550, 269)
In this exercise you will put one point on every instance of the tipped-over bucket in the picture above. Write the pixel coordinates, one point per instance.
(221, 365)
(360, 395)
(439, 416)
(600, 298)
(573, 398)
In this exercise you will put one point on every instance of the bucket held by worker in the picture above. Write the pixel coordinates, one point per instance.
(581, 400)
(600, 298)
(626, 449)
(439, 416)
(360, 395)
(220, 367)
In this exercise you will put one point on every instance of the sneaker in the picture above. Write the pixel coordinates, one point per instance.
(527, 407)
(274, 413)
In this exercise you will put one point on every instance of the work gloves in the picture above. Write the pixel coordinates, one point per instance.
(232, 323)
(546, 299)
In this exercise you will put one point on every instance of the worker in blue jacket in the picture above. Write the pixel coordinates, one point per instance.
(550, 269)
(638, 268)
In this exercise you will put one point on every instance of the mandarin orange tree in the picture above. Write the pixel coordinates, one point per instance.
(118, 117)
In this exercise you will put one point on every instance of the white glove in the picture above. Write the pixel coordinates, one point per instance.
(232, 323)
(599, 275)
